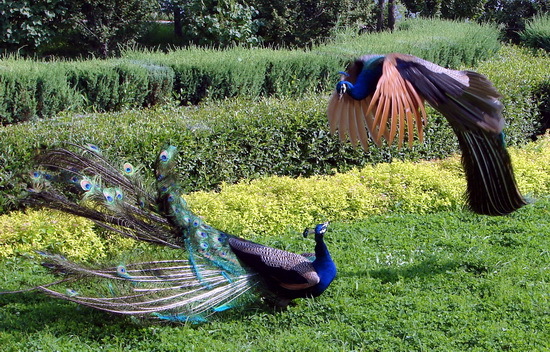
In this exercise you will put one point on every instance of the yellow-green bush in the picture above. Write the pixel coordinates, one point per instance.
(276, 205)
(273, 205)
(23, 233)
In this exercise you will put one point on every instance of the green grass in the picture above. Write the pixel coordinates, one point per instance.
(448, 281)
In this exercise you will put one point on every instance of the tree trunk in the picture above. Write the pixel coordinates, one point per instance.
(391, 14)
(178, 30)
(380, 22)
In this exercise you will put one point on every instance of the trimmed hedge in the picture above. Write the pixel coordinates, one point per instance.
(537, 33)
(450, 44)
(245, 139)
(272, 206)
(30, 89)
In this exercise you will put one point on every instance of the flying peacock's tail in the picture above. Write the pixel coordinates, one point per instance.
(491, 185)
(114, 196)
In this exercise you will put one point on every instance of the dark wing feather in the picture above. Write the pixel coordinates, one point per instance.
(288, 270)
(471, 104)
(467, 99)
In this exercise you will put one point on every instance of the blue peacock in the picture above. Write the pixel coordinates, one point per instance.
(383, 96)
(220, 271)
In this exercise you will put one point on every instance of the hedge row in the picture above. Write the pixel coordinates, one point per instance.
(450, 44)
(537, 33)
(272, 206)
(31, 89)
(246, 139)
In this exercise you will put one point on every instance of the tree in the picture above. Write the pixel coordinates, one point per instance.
(297, 22)
(423, 8)
(512, 14)
(218, 23)
(462, 9)
(103, 25)
(26, 24)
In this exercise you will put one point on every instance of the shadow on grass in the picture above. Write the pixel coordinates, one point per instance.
(429, 267)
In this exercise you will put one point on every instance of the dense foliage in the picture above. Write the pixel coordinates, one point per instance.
(291, 138)
(73, 27)
(537, 33)
(41, 89)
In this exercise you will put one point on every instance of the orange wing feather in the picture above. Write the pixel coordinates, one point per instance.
(393, 102)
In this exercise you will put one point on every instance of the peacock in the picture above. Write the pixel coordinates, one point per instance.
(382, 96)
(219, 271)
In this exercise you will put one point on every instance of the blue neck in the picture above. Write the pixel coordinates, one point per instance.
(365, 83)
(323, 264)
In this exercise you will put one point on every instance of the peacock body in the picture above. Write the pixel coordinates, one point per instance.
(221, 271)
(382, 97)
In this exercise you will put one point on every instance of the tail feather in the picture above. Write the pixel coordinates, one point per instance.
(169, 288)
(491, 185)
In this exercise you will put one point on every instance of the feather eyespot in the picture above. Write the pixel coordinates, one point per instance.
(36, 174)
(74, 179)
(164, 156)
(170, 198)
(121, 270)
(128, 168)
(201, 234)
(86, 185)
(108, 196)
(93, 147)
(118, 195)
(203, 245)
(196, 223)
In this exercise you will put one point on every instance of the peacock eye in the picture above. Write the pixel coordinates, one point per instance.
(128, 168)
(121, 270)
(86, 185)
(164, 156)
(92, 147)
(35, 174)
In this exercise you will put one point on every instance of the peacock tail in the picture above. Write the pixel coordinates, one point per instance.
(220, 271)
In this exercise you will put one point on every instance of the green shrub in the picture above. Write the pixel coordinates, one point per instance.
(30, 89)
(272, 206)
(23, 233)
(537, 33)
(448, 43)
(522, 78)
(275, 205)
(219, 142)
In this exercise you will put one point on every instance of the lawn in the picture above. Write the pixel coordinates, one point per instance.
(447, 281)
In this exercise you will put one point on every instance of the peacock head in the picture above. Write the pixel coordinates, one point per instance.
(319, 231)
(342, 86)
